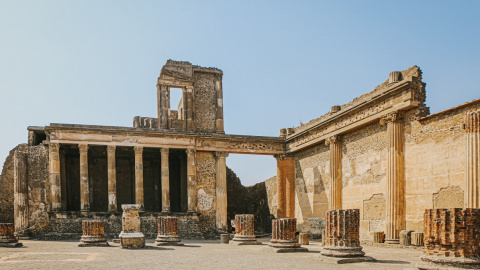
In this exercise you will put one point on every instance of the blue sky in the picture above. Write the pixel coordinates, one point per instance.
(96, 62)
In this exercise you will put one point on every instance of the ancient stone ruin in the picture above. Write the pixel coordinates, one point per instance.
(283, 236)
(131, 235)
(93, 234)
(244, 230)
(168, 232)
(7, 237)
(382, 153)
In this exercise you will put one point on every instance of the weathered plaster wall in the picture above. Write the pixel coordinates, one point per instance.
(435, 164)
(206, 192)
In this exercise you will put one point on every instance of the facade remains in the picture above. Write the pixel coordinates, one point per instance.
(382, 153)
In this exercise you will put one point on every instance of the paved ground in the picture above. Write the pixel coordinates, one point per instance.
(199, 254)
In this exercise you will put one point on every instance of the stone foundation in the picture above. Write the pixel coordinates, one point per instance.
(167, 232)
(452, 238)
(7, 237)
(93, 234)
(244, 230)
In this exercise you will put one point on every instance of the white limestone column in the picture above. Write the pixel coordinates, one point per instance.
(472, 165)
(335, 172)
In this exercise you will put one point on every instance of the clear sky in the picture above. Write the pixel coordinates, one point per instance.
(97, 62)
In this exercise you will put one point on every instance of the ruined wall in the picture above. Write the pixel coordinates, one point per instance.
(38, 186)
(205, 100)
(6, 186)
(435, 164)
(206, 175)
(248, 200)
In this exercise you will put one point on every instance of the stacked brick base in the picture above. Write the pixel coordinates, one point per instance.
(7, 237)
(244, 230)
(93, 234)
(168, 232)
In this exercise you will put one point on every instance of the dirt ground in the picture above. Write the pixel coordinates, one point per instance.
(195, 254)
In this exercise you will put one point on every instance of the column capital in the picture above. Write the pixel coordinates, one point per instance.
(83, 147)
(111, 149)
(138, 150)
(333, 140)
(221, 154)
(396, 116)
(190, 152)
(54, 147)
(164, 150)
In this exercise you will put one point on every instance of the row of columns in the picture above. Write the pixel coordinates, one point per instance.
(56, 185)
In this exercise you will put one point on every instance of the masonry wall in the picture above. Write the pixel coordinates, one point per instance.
(206, 100)
(206, 176)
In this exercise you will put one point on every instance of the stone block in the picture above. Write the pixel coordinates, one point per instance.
(417, 239)
(405, 237)
(377, 237)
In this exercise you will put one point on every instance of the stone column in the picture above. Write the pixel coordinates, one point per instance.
(283, 236)
(139, 176)
(221, 191)
(245, 230)
(84, 186)
(472, 169)
(167, 232)
(165, 180)
(189, 108)
(219, 116)
(281, 200)
(395, 177)
(452, 238)
(162, 101)
(20, 191)
(7, 237)
(335, 172)
(63, 179)
(112, 178)
(191, 180)
(54, 175)
(93, 234)
(131, 236)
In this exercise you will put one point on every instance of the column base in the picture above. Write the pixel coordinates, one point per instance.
(339, 260)
(342, 252)
(392, 241)
(290, 250)
(132, 240)
(164, 240)
(93, 244)
(441, 263)
(240, 240)
(11, 245)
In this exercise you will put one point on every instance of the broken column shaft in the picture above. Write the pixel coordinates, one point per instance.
(93, 234)
(167, 231)
(245, 230)
(283, 235)
(342, 235)
(7, 237)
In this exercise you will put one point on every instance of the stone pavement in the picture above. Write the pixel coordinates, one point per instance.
(196, 254)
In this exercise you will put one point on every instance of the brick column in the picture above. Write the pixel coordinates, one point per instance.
(162, 101)
(20, 189)
(452, 238)
(7, 237)
(221, 191)
(395, 177)
(139, 176)
(63, 179)
(472, 168)
(283, 236)
(191, 181)
(165, 180)
(335, 172)
(342, 234)
(112, 178)
(167, 232)
(93, 234)
(245, 230)
(84, 185)
(189, 108)
(285, 186)
(219, 116)
(54, 175)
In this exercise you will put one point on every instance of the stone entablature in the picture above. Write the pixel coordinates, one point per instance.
(131, 137)
(385, 99)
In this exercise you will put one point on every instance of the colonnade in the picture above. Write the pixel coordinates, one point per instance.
(58, 202)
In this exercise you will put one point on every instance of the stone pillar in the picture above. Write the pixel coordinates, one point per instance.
(54, 175)
(93, 234)
(452, 238)
(417, 239)
(112, 178)
(377, 237)
(395, 177)
(168, 232)
(405, 237)
(335, 172)
(84, 186)
(221, 191)
(285, 186)
(342, 233)
(162, 100)
(219, 116)
(283, 236)
(472, 169)
(139, 176)
(189, 108)
(191, 181)
(165, 180)
(7, 237)
(20, 190)
(63, 179)
(131, 236)
(245, 230)
(303, 239)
